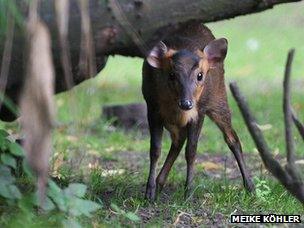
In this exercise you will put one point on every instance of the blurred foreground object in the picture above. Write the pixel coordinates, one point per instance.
(37, 104)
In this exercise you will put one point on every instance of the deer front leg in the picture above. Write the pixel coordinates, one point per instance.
(222, 118)
(193, 132)
(156, 130)
(174, 151)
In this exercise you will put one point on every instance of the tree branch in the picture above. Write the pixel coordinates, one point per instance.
(287, 109)
(271, 164)
(289, 177)
(298, 124)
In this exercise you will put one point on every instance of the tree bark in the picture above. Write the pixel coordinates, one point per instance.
(122, 27)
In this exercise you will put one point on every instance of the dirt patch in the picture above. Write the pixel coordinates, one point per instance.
(211, 165)
(225, 166)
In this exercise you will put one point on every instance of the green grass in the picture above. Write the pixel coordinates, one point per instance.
(258, 46)
(211, 199)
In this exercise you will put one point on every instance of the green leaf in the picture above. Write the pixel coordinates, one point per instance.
(57, 195)
(8, 160)
(14, 192)
(88, 207)
(71, 223)
(9, 104)
(16, 149)
(79, 207)
(74, 205)
(4, 170)
(4, 191)
(26, 169)
(76, 189)
(3, 133)
(48, 204)
(26, 203)
(3, 144)
(34, 199)
(116, 208)
(9, 191)
(132, 217)
(6, 175)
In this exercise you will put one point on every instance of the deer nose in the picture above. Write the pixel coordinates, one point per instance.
(185, 104)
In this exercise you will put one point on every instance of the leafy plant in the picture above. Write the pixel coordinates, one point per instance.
(262, 189)
(70, 202)
(127, 215)
(71, 199)
(10, 152)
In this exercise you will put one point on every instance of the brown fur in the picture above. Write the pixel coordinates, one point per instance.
(192, 49)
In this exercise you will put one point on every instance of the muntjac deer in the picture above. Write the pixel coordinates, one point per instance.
(183, 80)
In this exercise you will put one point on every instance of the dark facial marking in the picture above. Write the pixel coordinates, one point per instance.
(185, 61)
(182, 74)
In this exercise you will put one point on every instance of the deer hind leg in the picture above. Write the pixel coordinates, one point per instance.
(222, 118)
(174, 151)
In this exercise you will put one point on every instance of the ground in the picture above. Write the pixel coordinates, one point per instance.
(114, 163)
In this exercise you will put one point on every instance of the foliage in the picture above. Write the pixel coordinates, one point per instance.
(10, 151)
(15, 175)
(263, 191)
(122, 213)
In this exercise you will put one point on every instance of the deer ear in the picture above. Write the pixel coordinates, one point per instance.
(159, 54)
(216, 51)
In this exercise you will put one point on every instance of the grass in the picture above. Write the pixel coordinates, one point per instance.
(85, 145)
(211, 204)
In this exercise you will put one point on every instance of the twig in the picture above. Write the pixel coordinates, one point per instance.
(271, 164)
(289, 177)
(298, 124)
(287, 110)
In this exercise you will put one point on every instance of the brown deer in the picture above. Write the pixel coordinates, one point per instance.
(183, 79)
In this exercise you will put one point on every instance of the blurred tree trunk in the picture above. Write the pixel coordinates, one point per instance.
(123, 27)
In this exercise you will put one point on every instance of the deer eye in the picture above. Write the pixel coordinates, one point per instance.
(200, 76)
(171, 75)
